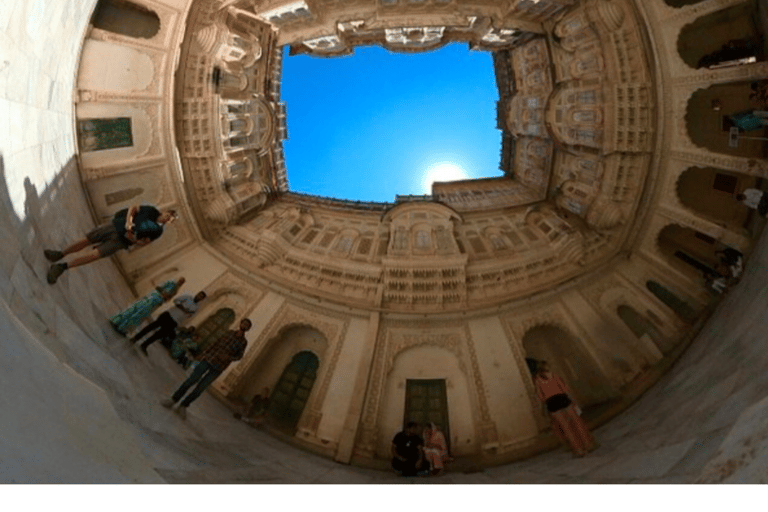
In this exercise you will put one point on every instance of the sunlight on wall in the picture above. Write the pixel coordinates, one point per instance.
(39, 50)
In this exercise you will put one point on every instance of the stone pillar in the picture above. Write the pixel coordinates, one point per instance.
(355, 411)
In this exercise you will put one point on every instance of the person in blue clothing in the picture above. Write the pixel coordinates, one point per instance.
(131, 227)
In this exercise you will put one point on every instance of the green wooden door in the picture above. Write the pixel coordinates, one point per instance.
(425, 401)
(214, 327)
(292, 391)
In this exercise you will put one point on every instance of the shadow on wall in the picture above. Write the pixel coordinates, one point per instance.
(52, 217)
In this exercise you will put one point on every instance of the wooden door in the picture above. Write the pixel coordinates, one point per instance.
(425, 401)
(214, 327)
(292, 391)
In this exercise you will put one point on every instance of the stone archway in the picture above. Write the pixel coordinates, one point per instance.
(126, 18)
(689, 251)
(568, 358)
(727, 37)
(276, 358)
(711, 193)
(291, 392)
(708, 120)
(461, 414)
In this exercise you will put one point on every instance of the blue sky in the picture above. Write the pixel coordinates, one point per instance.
(371, 125)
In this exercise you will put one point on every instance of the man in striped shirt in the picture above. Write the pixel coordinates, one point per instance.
(212, 362)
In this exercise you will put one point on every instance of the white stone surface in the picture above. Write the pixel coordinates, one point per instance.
(39, 50)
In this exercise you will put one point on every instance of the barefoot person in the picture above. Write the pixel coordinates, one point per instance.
(213, 360)
(131, 227)
(554, 393)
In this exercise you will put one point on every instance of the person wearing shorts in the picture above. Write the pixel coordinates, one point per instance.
(566, 420)
(131, 227)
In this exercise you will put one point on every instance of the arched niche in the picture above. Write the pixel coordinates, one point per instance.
(641, 327)
(276, 356)
(708, 124)
(728, 37)
(291, 392)
(672, 301)
(420, 363)
(689, 251)
(126, 18)
(711, 192)
(571, 361)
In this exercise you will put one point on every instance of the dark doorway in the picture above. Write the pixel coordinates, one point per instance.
(126, 18)
(425, 401)
(292, 391)
(214, 327)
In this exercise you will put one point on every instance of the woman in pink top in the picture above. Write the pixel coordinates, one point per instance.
(566, 422)
(435, 448)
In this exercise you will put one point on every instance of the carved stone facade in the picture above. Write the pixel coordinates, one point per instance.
(463, 285)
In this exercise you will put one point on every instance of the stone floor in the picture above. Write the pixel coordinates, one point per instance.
(84, 402)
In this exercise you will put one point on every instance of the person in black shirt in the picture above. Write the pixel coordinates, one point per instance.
(407, 450)
(131, 227)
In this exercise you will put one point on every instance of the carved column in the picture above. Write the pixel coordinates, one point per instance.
(355, 410)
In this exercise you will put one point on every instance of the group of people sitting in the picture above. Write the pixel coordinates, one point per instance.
(414, 454)
(727, 271)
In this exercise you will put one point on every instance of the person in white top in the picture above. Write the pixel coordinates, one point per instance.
(755, 199)
(183, 308)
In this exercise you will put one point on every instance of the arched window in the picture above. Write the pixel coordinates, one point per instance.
(292, 391)
(126, 18)
(675, 303)
(215, 326)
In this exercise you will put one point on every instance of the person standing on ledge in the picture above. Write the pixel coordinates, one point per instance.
(131, 227)
(213, 360)
(183, 308)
